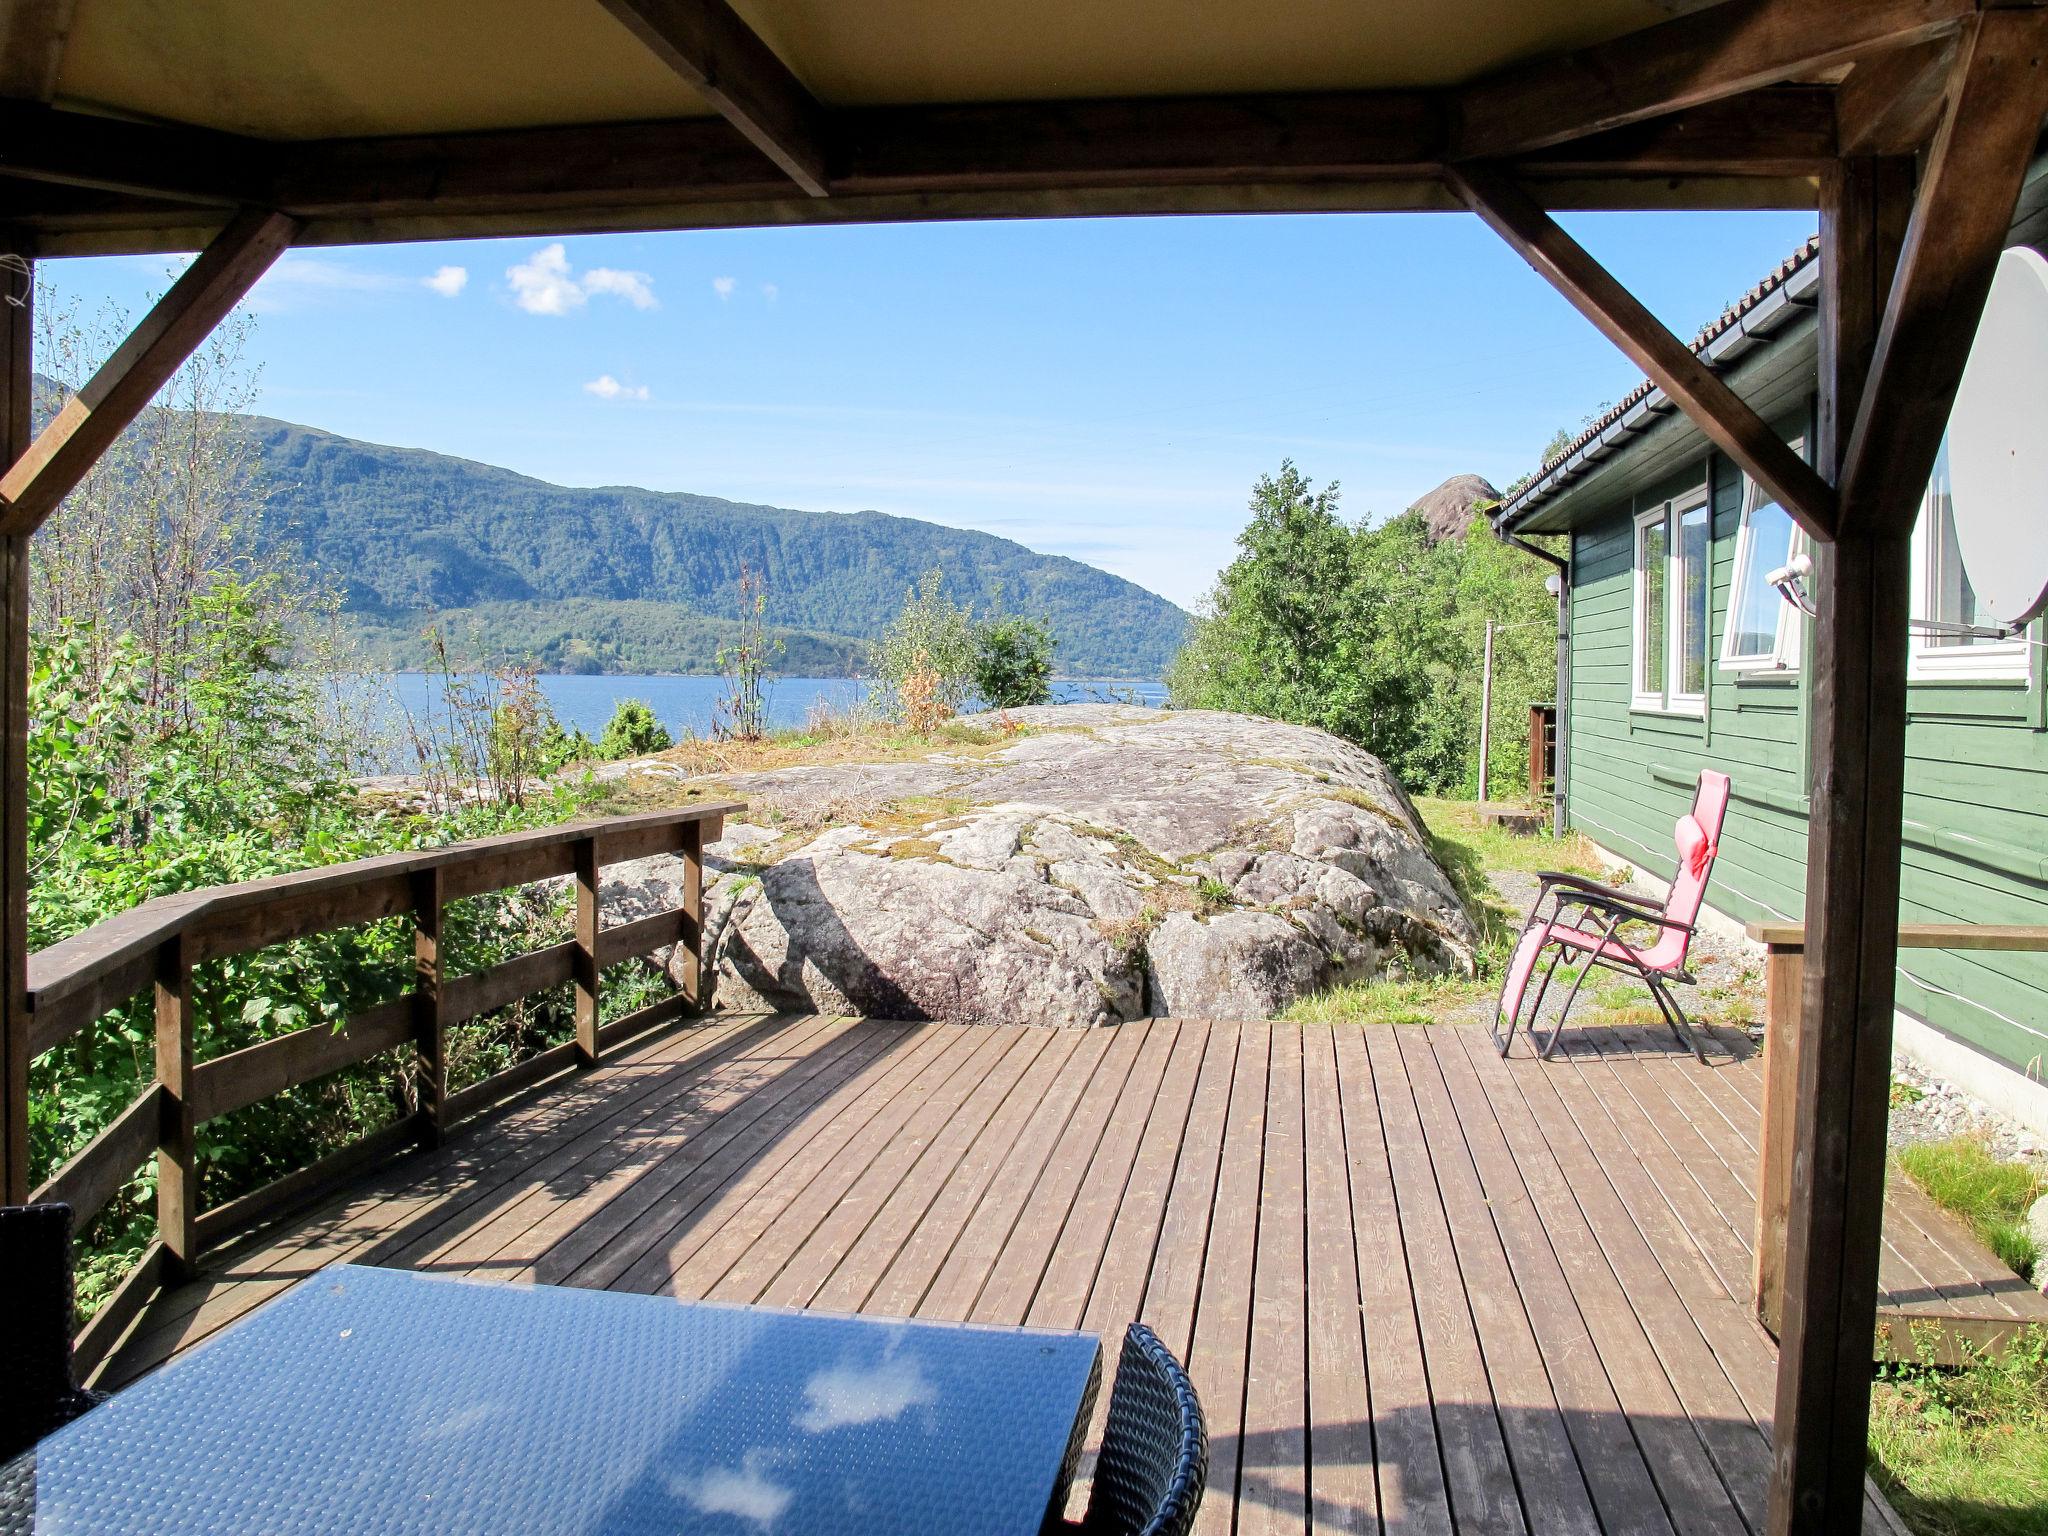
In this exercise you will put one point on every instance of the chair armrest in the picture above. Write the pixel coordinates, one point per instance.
(1625, 907)
(1552, 878)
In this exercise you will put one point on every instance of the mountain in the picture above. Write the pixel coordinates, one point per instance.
(622, 579)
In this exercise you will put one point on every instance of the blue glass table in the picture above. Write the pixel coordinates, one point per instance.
(374, 1400)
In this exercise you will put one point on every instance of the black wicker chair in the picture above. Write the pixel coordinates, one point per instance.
(1155, 1448)
(35, 1336)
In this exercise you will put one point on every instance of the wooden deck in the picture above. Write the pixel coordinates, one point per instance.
(1419, 1288)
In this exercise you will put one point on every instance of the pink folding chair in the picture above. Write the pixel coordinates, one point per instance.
(1584, 922)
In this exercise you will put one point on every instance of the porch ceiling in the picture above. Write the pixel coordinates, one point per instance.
(296, 71)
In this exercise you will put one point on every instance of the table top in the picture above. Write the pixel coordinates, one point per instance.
(376, 1400)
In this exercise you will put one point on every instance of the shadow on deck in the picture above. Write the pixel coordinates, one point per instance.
(1420, 1288)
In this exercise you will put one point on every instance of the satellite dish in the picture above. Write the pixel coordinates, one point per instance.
(1998, 444)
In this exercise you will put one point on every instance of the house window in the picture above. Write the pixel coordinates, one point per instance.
(1763, 629)
(1943, 596)
(1670, 608)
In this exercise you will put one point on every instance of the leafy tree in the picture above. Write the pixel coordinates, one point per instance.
(633, 731)
(1013, 662)
(1374, 634)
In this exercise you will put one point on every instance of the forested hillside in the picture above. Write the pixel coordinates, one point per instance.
(610, 578)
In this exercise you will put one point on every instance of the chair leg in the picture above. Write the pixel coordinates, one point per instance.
(1674, 1016)
(1549, 1046)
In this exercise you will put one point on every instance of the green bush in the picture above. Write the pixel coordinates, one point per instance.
(633, 731)
(1013, 662)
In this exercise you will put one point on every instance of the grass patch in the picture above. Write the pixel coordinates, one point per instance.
(1389, 1000)
(1904, 1093)
(1965, 1452)
(1962, 1176)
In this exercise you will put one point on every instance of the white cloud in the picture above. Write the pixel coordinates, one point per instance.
(724, 286)
(770, 292)
(636, 288)
(546, 284)
(605, 387)
(448, 281)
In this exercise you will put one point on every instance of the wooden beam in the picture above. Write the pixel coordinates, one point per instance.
(1683, 376)
(1833, 1226)
(1722, 51)
(1998, 94)
(89, 421)
(17, 391)
(32, 38)
(1891, 103)
(94, 172)
(706, 43)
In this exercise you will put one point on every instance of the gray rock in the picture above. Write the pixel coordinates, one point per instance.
(1107, 864)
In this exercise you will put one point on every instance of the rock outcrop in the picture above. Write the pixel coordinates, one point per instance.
(1447, 510)
(1085, 864)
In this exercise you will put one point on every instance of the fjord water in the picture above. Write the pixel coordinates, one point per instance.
(685, 704)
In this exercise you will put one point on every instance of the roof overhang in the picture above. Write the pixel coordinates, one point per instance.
(139, 125)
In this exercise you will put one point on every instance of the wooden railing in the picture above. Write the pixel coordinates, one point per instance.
(1784, 981)
(155, 946)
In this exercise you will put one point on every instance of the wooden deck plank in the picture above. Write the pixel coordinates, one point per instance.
(1477, 1472)
(1343, 1495)
(1585, 1322)
(958, 1283)
(1222, 1335)
(1566, 1176)
(856, 1208)
(1410, 1491)
(1080, 1250)
(1273, 1465)
(863, 1262)
(1013, 1280)
(910, 1274)
(744, 1257)
(1540, 1408)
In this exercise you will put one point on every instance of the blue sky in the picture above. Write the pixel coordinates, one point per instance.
(1106, 389)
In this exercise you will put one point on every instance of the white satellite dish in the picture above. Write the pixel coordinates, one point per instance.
(1998, 444)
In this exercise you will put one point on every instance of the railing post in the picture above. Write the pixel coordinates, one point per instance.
(690, 953)
(177, 1160)
(1784, 981)
(587, 870)
(430, 1055)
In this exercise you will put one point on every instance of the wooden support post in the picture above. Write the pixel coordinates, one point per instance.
(177, 1159)
(1858, 743)
(1784, 983)
(690, 953)
(16, 390)
(588, 915)
(1686, 379)
(430, 1052)
(40, 477)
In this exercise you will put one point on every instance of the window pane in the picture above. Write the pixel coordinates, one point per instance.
(1692, 601)
(1650, 554)
(1755, 610)
(1950, 597)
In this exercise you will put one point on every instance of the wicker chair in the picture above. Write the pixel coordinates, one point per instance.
(1155, 1449)
(35, 1342)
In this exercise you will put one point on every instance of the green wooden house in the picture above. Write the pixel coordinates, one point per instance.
(1681, 655)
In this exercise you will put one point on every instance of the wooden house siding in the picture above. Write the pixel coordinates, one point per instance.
(1976, 782)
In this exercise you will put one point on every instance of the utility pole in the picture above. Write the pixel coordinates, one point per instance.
(1486, 712)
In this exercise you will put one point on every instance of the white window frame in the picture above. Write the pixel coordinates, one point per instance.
(1929, 661)
(1785, 655)
(1666, 697)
